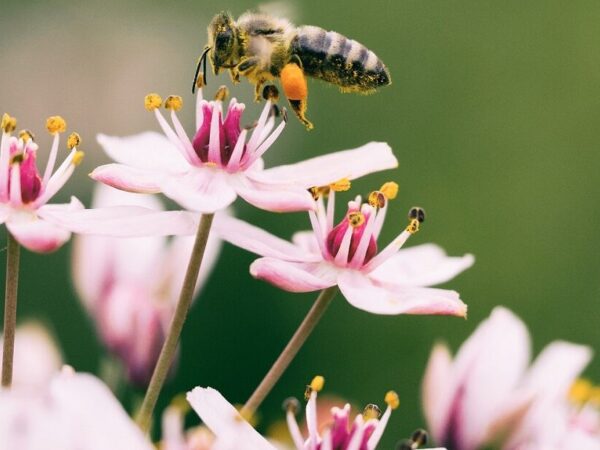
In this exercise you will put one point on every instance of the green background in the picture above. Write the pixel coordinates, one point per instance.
(493, 115)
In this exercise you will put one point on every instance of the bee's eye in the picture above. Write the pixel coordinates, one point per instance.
(224, 39)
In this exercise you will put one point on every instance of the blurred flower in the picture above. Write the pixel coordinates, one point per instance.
(488, 393)
(37, 358)
(207, 172)
(24, 193)
(75, 411)
(233, 432)
(388, 282)
(130, 286)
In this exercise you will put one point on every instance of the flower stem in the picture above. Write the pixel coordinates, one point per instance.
(10, 308)
(144, 416)
(290, 351)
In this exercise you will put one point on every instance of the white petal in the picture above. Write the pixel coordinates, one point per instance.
(128, 178)
(323, 170)
(307, 241)
(259, 241)
(378, 298)
(293, 276)
(436, 390)
(422, 265)
(36, 234)
(224, 421)
(147, 150)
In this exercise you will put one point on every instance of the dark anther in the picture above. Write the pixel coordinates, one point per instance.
(275, 111)
(417, 213)
(419, 437)
(291, 404)
(407, 444)
(270, 92)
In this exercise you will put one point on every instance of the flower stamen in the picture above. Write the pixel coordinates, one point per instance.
(416, 215)
(9, 123)
(371, 411)
(174, 103)
(56, 124)
(356, 219)
(152, 101)
(26, 135)
(222, 94)
(341, 185)
(73, 140)
(390, 190)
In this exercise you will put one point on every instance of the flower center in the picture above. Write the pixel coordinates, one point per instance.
(351, 228)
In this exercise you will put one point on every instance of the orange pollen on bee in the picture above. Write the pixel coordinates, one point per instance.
(293, 82)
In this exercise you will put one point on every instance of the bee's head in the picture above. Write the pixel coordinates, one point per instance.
(222, 37)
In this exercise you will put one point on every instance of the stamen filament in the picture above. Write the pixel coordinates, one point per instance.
(341, 257)
(171, 135)
(330, 216)
(214, 143)
(58, 179)
(357, 437)
(266, 144)
(4, 166)
(379, 429)
(390, 250)
(361, 250)
(15, 185)
(191, 155)
(51, 160)
(238, 152)
(379, 220)
(200, 102)
(253, 142)
(319, 236)
(294, 429)
(311, 420)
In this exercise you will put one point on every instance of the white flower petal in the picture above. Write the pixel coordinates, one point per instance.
(147, 150)
(436, 390)
(422, 265)
(127, 178)
(36, 234)
(307, 241)
(293, 276)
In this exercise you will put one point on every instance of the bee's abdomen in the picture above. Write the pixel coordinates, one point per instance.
(333, 57)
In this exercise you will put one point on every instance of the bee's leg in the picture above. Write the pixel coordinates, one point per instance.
(235, 75)
(258, 88)
(295, 88)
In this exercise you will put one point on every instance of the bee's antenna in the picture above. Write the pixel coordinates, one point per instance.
(201, 62)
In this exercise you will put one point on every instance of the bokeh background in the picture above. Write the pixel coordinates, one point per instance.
(493, 114)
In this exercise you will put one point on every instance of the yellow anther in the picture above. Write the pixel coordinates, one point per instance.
(595, 396)
(56, 124)
(152, 101)
(248, 416)
(392, 399)
(341, 185)
(413, 226)
(222, 94)
(371, 411)
(73, 140)
(581, 390)
(210, 164)
(377, 199)
(356, 219)
(9, 123)
(26, 135)
(180, 403)
(317, 383)
(174, 102)
(78, 157)
(390, 190)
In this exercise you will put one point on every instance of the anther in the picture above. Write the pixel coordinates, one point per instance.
(77, 158)
(174, 102)
(371, 411)
(291, 404)
(200, 82)
(580, 390)
(419, 437)
(318, 191)
(392, 399)
(317, 383)
(406, 444)
(390, 190)
(341, 185)
(9, 123)
(222, 94)
(270, 92)
(56, 124)
(17, 158)
(377, 199)
(417, 213)
(73, 140)
(152, 101)
(26, 135)
(356, 219)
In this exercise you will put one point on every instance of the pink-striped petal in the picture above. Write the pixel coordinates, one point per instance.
(147, 150)
(259, 241)
(128, 178)
(292, 276)
(201, 190)
(36, 234)
(422, 265)
(323, 170)
(379, 298)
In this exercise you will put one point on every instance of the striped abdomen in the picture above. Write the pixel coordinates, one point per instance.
(332, 57)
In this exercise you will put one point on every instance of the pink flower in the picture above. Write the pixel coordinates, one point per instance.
(130, 286)
(488, 391)
(385, 282)
(24, 192)
(219, 162)
(233, 432)
(75, 411)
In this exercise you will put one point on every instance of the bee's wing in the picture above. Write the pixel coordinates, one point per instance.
(289, 9)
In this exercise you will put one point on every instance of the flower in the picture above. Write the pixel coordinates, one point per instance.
(75, 411)
(130, 286)
(388, 282)
(37, 358)
(487, 392)
(231, 429)
(24, 193)
(207, 172)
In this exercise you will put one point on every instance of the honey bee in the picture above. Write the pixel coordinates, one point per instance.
(262, 48)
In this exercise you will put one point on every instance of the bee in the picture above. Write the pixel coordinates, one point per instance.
(262, 48)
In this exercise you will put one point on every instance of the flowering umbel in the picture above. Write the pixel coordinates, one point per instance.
(390, 281)
(222, 160)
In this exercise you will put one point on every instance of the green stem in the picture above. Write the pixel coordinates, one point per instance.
(290, 351)
(144, 416)
(10, 308)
